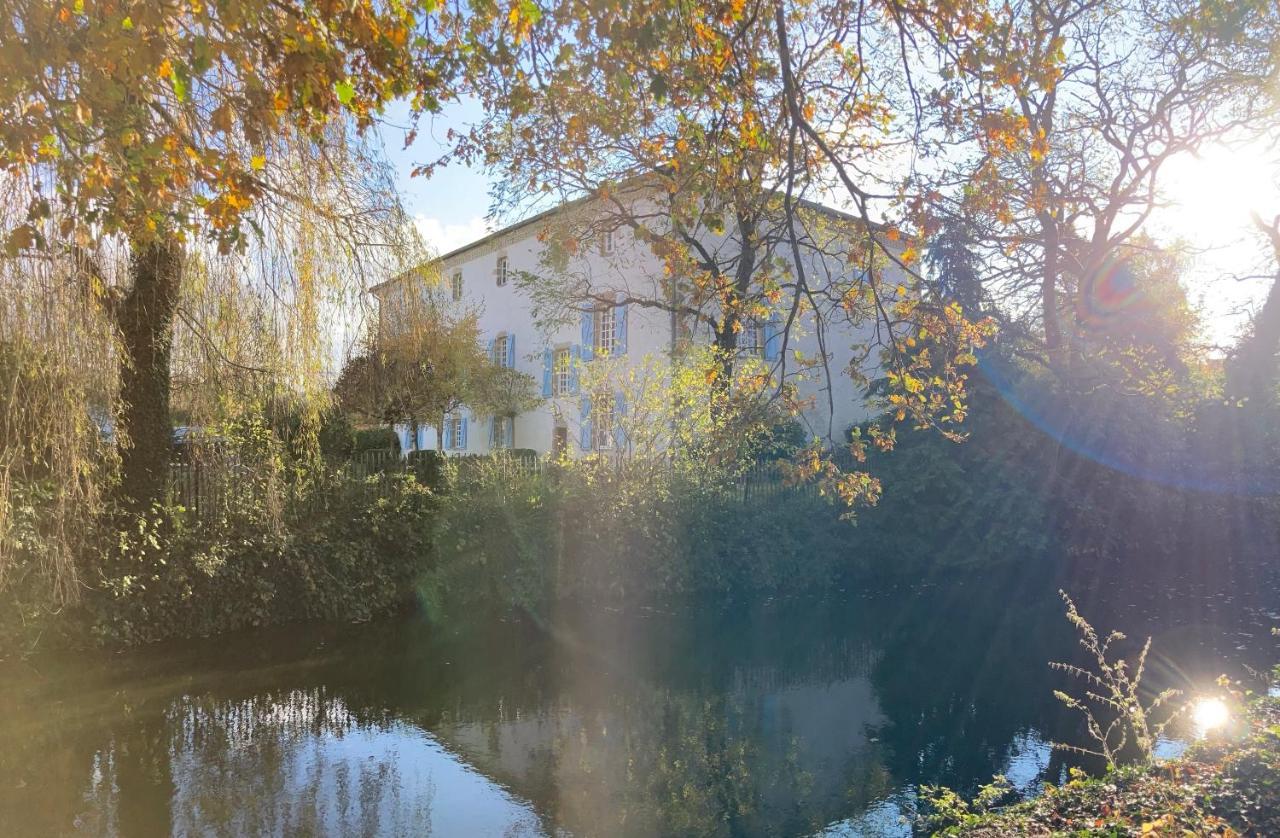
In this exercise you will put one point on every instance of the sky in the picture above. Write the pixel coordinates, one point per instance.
(448, 208)
(1209, 200)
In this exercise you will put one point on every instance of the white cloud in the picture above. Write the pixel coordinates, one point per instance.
(443, 237)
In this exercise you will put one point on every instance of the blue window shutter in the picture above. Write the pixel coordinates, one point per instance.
(619, 415)
(448, 432)
(548, 359)
(588, 334)
(586, 424)
(511, 350)
(575, 355)
(772, 338)
(488, 350)
(462, 437)
(620, 327)
(422, 437)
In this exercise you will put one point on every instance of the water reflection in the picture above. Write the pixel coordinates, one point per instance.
(809, 718)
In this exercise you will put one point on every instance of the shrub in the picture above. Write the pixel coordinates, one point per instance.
(375, 439)
(498, 538)
(273, 544)
(603, 531)
(427, 467)
(337, 437)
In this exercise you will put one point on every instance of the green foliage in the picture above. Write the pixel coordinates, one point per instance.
(949, 505)
(277, 542)
(427, 467)
(944, 809)
(426, 361)
(336, 437)
(782, 439)
(1113, 688)
(609, 531)
(497, 530)
(375, 439)
(1228, 789)
(54, 461)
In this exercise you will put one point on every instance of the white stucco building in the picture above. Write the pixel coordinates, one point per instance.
(481, 277)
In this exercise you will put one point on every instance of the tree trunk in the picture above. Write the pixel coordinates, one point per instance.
(145, 322)
(726, 337)
(1049, 293)
(1252, 373)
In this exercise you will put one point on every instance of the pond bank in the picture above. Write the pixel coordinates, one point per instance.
(1223, 787)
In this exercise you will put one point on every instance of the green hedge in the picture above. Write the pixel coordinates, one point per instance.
(342, 549)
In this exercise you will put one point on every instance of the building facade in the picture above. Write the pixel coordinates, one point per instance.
(481, 277)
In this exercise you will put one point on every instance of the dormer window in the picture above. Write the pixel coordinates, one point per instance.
(503, 270)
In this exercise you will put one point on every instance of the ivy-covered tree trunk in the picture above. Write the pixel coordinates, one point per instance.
(145, 322)
(732, 321)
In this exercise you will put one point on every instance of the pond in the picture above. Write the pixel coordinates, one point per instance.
(809, 717)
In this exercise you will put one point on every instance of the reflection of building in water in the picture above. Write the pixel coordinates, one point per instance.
(751, 720)
(624, 757)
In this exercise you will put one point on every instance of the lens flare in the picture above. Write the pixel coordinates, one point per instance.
(1108, 295)
(1209, 714)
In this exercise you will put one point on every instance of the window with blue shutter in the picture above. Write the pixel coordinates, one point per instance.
(588, 334)
(586, 424)
(462, 437)
(547, 361)
(620, 328)
(772, 338)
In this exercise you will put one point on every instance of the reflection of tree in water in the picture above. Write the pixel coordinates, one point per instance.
(279, 764)
(273, 764)
(724, 724)
(964, 683)
(706, 720)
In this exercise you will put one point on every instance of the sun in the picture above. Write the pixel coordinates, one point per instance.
(1208, 200)
(1212, 195)
(1209, 714)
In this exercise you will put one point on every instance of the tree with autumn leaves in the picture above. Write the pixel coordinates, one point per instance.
(182, 132)
(172, 131)
(1057, 126)
(425, 362)
(709, 132)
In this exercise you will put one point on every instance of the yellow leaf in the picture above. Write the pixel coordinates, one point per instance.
(258, 162)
